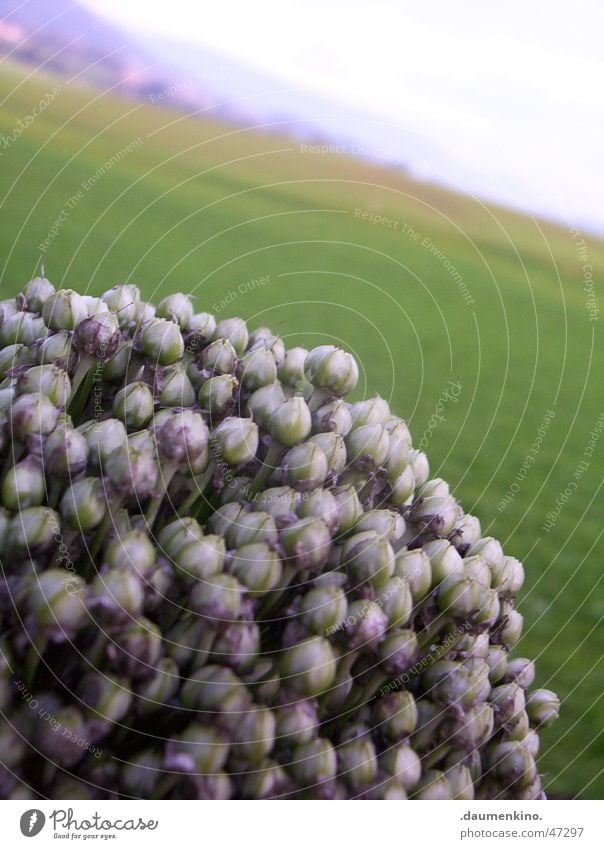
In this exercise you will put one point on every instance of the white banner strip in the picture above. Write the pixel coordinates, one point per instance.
(292, 825)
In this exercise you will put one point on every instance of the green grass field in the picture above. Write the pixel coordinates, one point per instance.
(488, 299)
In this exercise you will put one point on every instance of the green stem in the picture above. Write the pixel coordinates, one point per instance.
(157, 500)
(79, 399)
(427, 636)
(318, 398)
(32, 660)
(83, 368)
(269, 464)
(271, 599)
(201, 484)
(435, 755)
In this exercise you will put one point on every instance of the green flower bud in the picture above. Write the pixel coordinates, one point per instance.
(368, 557)
(55, 600)
(435, 514)
(143, 312)
(140, 775)
(397, 602)
(296, 722)
(254, 736)
(64, 310)
(323, 610)
(307, 543)
(109, 700)
(217, 599)
(235, 331)
(95, 306)
(511, 764)
(305, 466)
(313, 763)
(185, 642)
(520, 671)
(219, 358)
(402, 762)
(328, 367)
(433, 488)
(291, 422)
(65, 452)
(223, 518)
(309, 667)
(56, 350)
(9, 357)
(334, 448)
(543, 708)
(200, 329)
(414, 567)
(235, 440)
(263, 403)
(98, 336)
(216, 689)
(291, 372)
(23, 328)
(459, 597)
(350, 508)
(84, 504)
(217, 396)
(466, 533)
(257, 567)
(103, 439)
(181, 435)
(334, 417)
(252, 527)
(136, 649)
(263, 338)
(511, 628)
(531, 743)
(368, 446)
(200, 559)
(397, 460)
(476, 568)
(279, 501)
(62, 741)
(518, 728)
(161, 342)
(155, 692)
(198, 749)
(175, 387)
(263, 678)
(373, 411)
(402, 488)
(122, 300)
(470, 728)
(386, 523)
(488, 608)
(420, 465)
(23, 485)
(509, 580)
(491, 551)
(118, 366)
(117, 595)
(433, 785)
(8, 308)
(267, 781)
(395, 714)
(134, 471)
(176, 308)
(398, 652)
(257, 368)
(321, 504)
(49, 380)
(237, 645)
(32, 414)
(366, 625)
(497, 660)
(357, 761)
(508, 702)
(131, 551)
(36, 293)
(134, 405)
(32, 530)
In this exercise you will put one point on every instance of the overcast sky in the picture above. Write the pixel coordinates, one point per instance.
(514, 92)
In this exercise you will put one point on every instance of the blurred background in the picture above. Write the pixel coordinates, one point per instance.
(420, 182)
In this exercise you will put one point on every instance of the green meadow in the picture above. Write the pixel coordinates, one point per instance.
(479, 324)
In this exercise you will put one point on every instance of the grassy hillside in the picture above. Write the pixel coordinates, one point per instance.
(424, 286)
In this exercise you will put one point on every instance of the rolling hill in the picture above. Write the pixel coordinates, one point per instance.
(480, 325)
